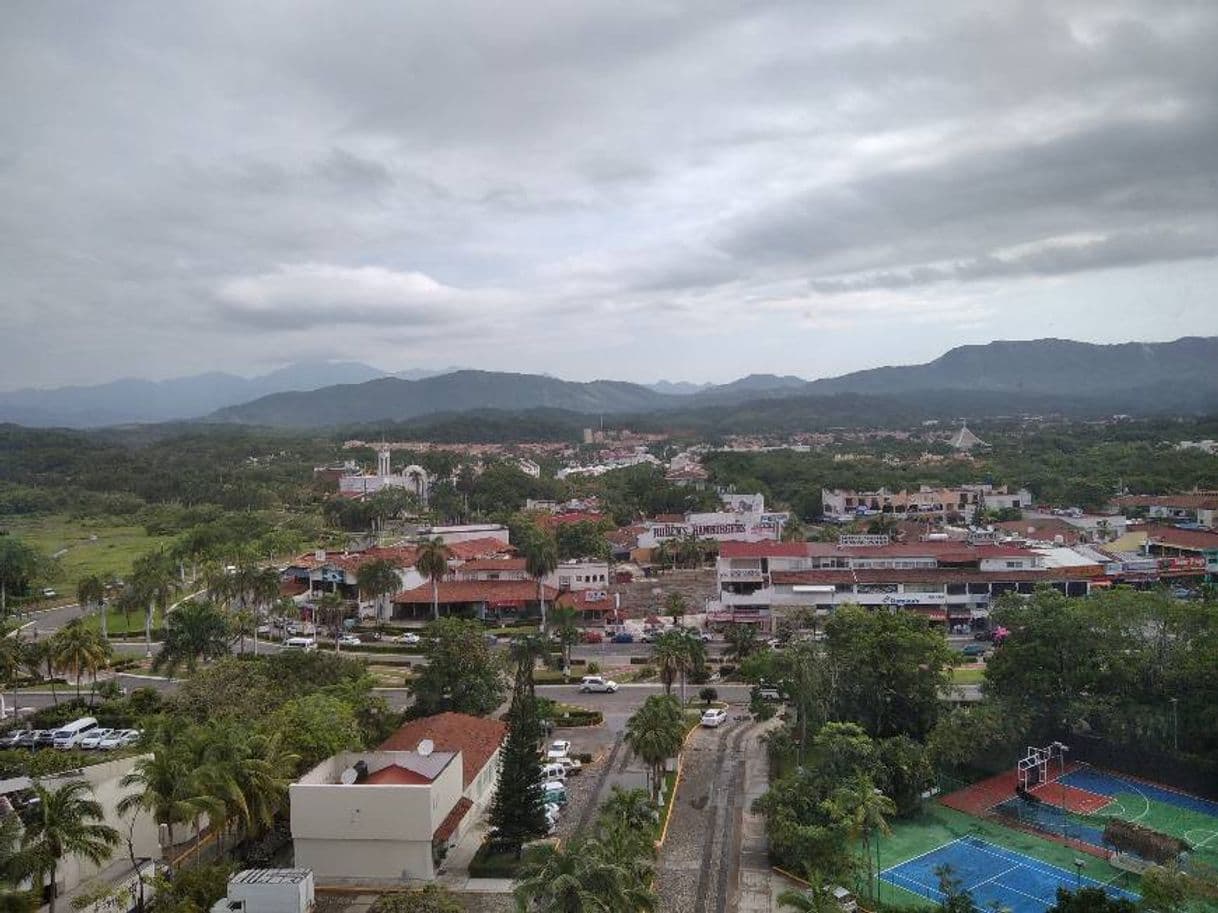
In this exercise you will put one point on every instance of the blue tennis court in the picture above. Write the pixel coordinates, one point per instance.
(993, 875)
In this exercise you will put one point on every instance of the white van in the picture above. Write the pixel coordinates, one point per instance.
(307, 644)
(554, 772)
(69, 736)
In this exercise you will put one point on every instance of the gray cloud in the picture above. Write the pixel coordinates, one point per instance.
(601, 189)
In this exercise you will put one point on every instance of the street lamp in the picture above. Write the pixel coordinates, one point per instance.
(1078, 873)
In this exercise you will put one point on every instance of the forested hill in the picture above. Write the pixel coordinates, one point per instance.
(1048, 375)
(1050, 366)
(392, 398)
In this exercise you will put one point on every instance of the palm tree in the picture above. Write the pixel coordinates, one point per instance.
(127, 601)
(168, 787)
(194, 631)
(264, 591)
(524, 652)
(866, 811)
(432, 563)
(666, 656)
(629, 808)
(816, 899)
(14, 869)
(91, 592)
(66, 822)
(674, 604)
(11, 665)
(154, 578)
(677, 653)
(564, 624)
(376, 580)
(742, 642)
(540, 561)
(79, 650)
(654, 734)
(332, 608)
(582, 877)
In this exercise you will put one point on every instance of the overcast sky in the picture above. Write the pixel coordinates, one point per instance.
(636, 190)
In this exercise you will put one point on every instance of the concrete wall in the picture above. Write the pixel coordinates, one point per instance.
(104, 779)
(370, 832)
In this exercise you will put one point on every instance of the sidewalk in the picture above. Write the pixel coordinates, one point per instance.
(759, 884)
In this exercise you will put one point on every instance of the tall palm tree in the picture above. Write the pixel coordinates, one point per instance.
(194, 631)
(155, 579)
(432, 563)
(264, 591)
(865, 810)
(11, 665)
(66, 822)
(540, 561)
(675, 654)
(654, 734)
(91, 592)
(377, 579)
(79, 650)
(564, 625)
(742, 642)
(168, 786)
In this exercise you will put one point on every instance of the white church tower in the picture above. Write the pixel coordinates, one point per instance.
(382, 462)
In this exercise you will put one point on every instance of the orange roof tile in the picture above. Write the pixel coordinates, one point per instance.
(475, 737)
(452, 821)
(396, 775)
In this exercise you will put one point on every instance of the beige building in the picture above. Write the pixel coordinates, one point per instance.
(392, 814)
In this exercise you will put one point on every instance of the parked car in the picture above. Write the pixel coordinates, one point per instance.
(570, 763)
(45, 739)
(975, 650)
(11, 739)
(68, 736)
(592, 637)
(769, 693)
(29, 738)
(554, 791)
(983, 635)
(349, 640)
(714, 717)
(408, 637)
(625, 637)
(49, 593)
(307, 644)
(559, 748)
(120, 738)
(598, 684)
(94, 737)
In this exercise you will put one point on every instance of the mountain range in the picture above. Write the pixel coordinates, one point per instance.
(1179, 376)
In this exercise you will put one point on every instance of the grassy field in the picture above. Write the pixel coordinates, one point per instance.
(83, 546)
(939, 825)
(968, 675)
(117, 624)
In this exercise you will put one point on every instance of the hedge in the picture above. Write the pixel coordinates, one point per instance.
(575, 718)
(491, 862)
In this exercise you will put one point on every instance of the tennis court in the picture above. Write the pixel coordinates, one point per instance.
(992, 875)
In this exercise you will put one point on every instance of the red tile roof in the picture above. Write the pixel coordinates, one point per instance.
(396, 775)
(403, 556)
(490, 591)
(1182, 538)
(934, 575)
(476, 737)
(479, 548)
(579, 600)
(494, 564)
(1044, 529)
(767, 549)
(452, 821)
(1205, 500)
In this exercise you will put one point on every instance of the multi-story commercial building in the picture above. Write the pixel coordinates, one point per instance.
(926, 501)
(948, 582)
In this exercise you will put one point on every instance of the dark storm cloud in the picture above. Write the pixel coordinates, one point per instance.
(591, 184)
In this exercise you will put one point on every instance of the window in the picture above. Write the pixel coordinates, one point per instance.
(1014, 564)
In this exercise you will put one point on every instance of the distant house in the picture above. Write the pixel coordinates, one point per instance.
(491, 600)
(392, 814)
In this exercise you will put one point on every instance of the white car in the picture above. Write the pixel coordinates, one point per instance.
(554, 771)
(558, 750)
(349, 640)
(120, 738)
(597, 683)
(571, 764)
(407, 638)
(94, 738)
(714, 717)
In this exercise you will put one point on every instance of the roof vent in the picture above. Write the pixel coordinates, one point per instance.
(349, 776)
(426, 747)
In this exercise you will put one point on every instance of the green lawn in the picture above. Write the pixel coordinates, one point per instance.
(117, 624)
(92, 547)
(968, 675)
(939, 825)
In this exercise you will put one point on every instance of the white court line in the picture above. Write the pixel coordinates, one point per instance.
(922, 855)
(1017, 865)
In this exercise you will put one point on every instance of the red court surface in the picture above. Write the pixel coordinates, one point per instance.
(985, 794)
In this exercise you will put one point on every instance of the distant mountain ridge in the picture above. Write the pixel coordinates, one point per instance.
(1134, 377)
(1154, 377)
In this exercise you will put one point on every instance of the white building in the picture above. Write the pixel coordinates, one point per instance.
(927, 501)
(529, 468)
(268, 891)
(392, 814)
(467, 532)
(413, 478)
